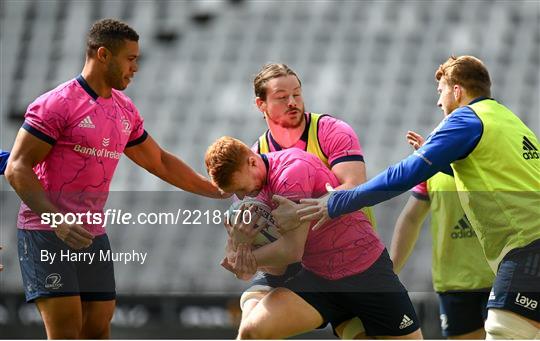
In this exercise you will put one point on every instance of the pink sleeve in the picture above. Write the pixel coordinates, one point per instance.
(46, 117)
(138, 134)
(339, 141)
(420, 191)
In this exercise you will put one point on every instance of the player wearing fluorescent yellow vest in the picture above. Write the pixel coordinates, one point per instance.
(312, 144)
(279, 97)
(460, 272)
(501, 199)
(497, 175)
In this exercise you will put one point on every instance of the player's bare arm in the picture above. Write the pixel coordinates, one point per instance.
(350, 174)
(27, 152)
(286, 250)
(150, 156)
(407, 230)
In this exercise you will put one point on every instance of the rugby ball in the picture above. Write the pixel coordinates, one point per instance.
(267, 235)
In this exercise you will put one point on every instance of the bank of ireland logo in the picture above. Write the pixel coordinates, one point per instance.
(105, 142)
(126, 126)
(53, 281)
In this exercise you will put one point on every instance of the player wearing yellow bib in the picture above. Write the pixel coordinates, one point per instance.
(278, 94)
(460, 272)
(496, 166)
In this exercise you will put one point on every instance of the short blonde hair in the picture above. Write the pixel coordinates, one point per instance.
(468, 72)
(223, 158)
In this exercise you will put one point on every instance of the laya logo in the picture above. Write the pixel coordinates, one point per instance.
(529, 149)
(53, 281)
(526, 302)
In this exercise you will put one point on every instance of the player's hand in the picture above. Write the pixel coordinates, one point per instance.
(285, 214)
(414, 139)
(245, 232)
(316, 210)
(75, 236)
(227, 265)
(245, 264)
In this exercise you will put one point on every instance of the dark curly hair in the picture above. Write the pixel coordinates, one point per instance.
(109, 33)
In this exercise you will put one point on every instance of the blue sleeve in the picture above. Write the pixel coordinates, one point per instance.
(454, 139)
(4, 155)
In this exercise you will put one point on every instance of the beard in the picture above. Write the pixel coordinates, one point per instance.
(287, 122)
(114, 76)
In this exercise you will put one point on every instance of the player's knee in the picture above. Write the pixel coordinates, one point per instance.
(96, 328)
(351, 330)
(247, 332)
(250, 331)
(96, 332)
(502, 324)
(67, 332)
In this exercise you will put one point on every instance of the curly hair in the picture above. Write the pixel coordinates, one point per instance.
(109, 33)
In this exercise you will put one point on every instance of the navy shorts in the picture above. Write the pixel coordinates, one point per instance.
(376, 296)
(462, 312)
(517, 284)
(265, 279)
(70, 273)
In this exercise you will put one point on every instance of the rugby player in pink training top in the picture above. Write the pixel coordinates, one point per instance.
(346, 270)
(278, 96)
(62, 161)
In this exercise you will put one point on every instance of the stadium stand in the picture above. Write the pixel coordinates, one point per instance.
(370, 63)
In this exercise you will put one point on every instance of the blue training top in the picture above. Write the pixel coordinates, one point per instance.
(3, 160)
(454, 139)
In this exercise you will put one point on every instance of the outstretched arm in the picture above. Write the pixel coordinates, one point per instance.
(454, 139)
(150, 156)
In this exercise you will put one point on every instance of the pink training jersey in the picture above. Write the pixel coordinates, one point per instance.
(344, 246)
(337, 139)
(88, 135)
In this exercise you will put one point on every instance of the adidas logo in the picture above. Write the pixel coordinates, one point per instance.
(529, 150)
(86, 123)
(405, 322)
(463, 229)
